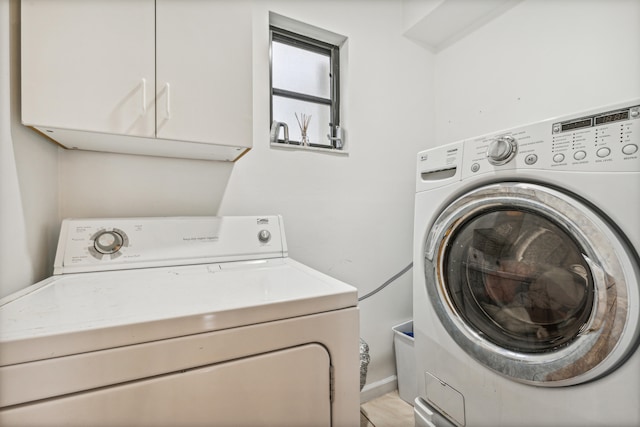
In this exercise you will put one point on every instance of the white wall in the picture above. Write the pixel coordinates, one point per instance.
(28, 181)
(348, 216)
(539, 60)
(117, 185)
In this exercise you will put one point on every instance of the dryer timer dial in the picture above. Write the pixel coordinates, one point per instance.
(108, 242)
(502, 150)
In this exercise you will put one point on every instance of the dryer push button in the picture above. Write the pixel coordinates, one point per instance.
(264, 236)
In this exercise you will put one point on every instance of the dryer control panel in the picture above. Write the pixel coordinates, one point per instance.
(125, 243)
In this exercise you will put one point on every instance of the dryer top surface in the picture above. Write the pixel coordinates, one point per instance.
(83, 312)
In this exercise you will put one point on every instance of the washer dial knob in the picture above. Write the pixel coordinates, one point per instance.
(502, 150)
(108, 242)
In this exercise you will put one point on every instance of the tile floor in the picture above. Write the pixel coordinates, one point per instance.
(386, 411)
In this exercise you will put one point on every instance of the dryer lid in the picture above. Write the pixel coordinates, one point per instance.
(84, 312)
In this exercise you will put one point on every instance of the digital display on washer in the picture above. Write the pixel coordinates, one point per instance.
(612, 117)
(596, 120)
(577, 124)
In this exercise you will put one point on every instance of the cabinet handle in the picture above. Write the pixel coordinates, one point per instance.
(168, 100)
(144, 96)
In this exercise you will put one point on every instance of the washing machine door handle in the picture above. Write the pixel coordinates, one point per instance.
(602, 282)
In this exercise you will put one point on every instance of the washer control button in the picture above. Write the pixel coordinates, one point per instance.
(580, 155)
(603, 152)
(558, 158)
(531, 159)
(475, 167)
(630, 149)
(264, 236)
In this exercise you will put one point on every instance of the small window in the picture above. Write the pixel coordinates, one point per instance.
(305, 104)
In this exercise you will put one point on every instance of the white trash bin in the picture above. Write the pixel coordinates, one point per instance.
(405, 361)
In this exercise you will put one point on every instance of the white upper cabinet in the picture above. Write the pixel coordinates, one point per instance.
(87, 66)
(165, 78)
(204, 70)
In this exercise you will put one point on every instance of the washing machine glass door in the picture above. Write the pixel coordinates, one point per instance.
(533, 284)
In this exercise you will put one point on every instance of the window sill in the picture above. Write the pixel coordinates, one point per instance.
(284, 146)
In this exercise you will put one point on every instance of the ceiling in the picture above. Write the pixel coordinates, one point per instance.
(437, 24)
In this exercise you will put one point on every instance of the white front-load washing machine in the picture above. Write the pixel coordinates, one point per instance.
(201, 321)
(526, 275)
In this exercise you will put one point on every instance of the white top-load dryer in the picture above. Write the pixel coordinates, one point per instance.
(179, 321)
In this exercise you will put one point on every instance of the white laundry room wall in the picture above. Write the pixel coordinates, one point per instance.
(28, 176)
(538, 60)
(350, 216)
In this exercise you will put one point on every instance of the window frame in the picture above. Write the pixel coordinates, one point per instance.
(300, 41)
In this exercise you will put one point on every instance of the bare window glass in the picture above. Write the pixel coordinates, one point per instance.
(299, 70)
(520, 280)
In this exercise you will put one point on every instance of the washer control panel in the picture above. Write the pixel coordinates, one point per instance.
(604, 140)
(601, 141)
(124, 243)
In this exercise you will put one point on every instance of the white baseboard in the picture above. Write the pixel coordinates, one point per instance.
(378, 388)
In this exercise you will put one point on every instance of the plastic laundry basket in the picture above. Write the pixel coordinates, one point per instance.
(405, 361)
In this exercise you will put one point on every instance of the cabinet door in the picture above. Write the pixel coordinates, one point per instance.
(89, 65)
(204, 71)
